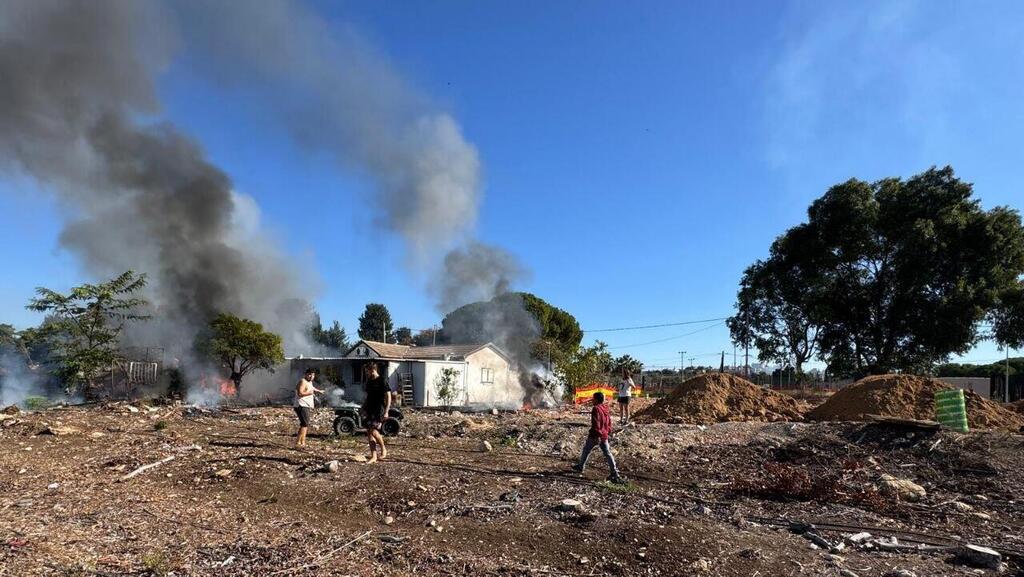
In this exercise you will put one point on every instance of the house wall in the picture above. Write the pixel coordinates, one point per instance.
(503, 391)
(426, 388)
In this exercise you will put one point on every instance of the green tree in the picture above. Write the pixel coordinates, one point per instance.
(447, 385)
(893, 275)
(242, 346)
(424, 338)
(375, 324)
(775, 304)
(10, 342)
(585, 365)
(1008, 318)
(627, 362)
(910, 269)
(84, 326)
(403, 336)
(334, 339)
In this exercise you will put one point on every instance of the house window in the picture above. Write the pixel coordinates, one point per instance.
(486, 376)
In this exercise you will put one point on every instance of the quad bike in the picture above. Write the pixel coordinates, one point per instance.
(350, 419)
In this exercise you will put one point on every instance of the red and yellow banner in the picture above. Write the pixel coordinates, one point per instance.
(584, 394)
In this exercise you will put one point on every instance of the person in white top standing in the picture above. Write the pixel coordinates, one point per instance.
(625, 393)
(304, 403)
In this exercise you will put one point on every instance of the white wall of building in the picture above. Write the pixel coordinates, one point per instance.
(490, 381)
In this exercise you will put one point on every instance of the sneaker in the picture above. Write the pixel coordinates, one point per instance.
(618, 480)
(577, 469)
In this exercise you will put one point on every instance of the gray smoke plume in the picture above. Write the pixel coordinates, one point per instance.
(77, 108)
(476, 272)
(337, 95)
(78, 78)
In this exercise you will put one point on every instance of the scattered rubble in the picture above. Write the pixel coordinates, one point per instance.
(236, 497)
(719, 397)
(902, 488)
(908, 397)
(982, 557)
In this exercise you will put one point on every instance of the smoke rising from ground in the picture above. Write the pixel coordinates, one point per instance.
(78, 76)
(78, 112)
(17, 380)
(338, 95)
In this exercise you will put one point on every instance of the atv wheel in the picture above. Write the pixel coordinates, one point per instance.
(344, 426)
(390, 427)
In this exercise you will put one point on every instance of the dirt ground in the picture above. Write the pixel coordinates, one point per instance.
(237, 499)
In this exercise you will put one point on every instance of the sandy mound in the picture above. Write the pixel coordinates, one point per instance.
(908, 397)
(718, 397)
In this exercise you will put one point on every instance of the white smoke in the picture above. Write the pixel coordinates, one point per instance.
(18, 381)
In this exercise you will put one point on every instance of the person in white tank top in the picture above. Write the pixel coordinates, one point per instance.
(304, 403)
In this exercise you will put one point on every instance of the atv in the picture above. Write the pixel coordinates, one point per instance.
(349, 419)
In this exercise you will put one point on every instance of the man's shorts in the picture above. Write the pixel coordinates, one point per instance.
(304, 415)
(623, 400)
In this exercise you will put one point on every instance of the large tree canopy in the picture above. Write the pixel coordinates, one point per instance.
(775, 303)
(893, 275)
(242, 346)
(1008, 318)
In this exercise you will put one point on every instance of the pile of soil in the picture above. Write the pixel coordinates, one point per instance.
(1017, 406)
(908, 397)
(718, 397)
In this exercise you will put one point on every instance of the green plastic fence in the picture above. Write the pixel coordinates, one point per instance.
(951, 410)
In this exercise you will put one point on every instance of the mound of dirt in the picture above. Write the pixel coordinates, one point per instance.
(908, 397)
(718, 397)
(1017, 406)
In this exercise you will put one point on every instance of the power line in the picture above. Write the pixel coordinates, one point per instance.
(669, 338)
(637, 328)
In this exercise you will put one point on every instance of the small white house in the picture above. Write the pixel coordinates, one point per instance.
(483, 372)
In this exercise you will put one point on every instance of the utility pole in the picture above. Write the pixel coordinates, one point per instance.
(384, 332)
(682, 370)
(433, 341)
(734, 356)
(746, 359)
(1006, 392)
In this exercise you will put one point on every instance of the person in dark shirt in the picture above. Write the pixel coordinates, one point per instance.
(600, 429)
(375, 409)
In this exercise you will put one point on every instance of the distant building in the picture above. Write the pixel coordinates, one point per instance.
(979, 385)
(485, 375)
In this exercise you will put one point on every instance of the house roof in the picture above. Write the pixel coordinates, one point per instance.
(393, 351)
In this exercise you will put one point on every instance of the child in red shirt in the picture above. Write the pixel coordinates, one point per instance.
(600, 428)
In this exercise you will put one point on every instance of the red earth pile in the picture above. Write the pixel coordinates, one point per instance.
(908, 397)
(718, 397)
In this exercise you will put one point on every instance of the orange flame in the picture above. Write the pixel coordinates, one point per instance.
(227, 388)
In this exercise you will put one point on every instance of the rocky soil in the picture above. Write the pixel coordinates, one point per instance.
(228, 495)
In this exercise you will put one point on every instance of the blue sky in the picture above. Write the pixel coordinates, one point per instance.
(635, 157)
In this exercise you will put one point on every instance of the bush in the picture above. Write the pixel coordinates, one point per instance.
(36, 403)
